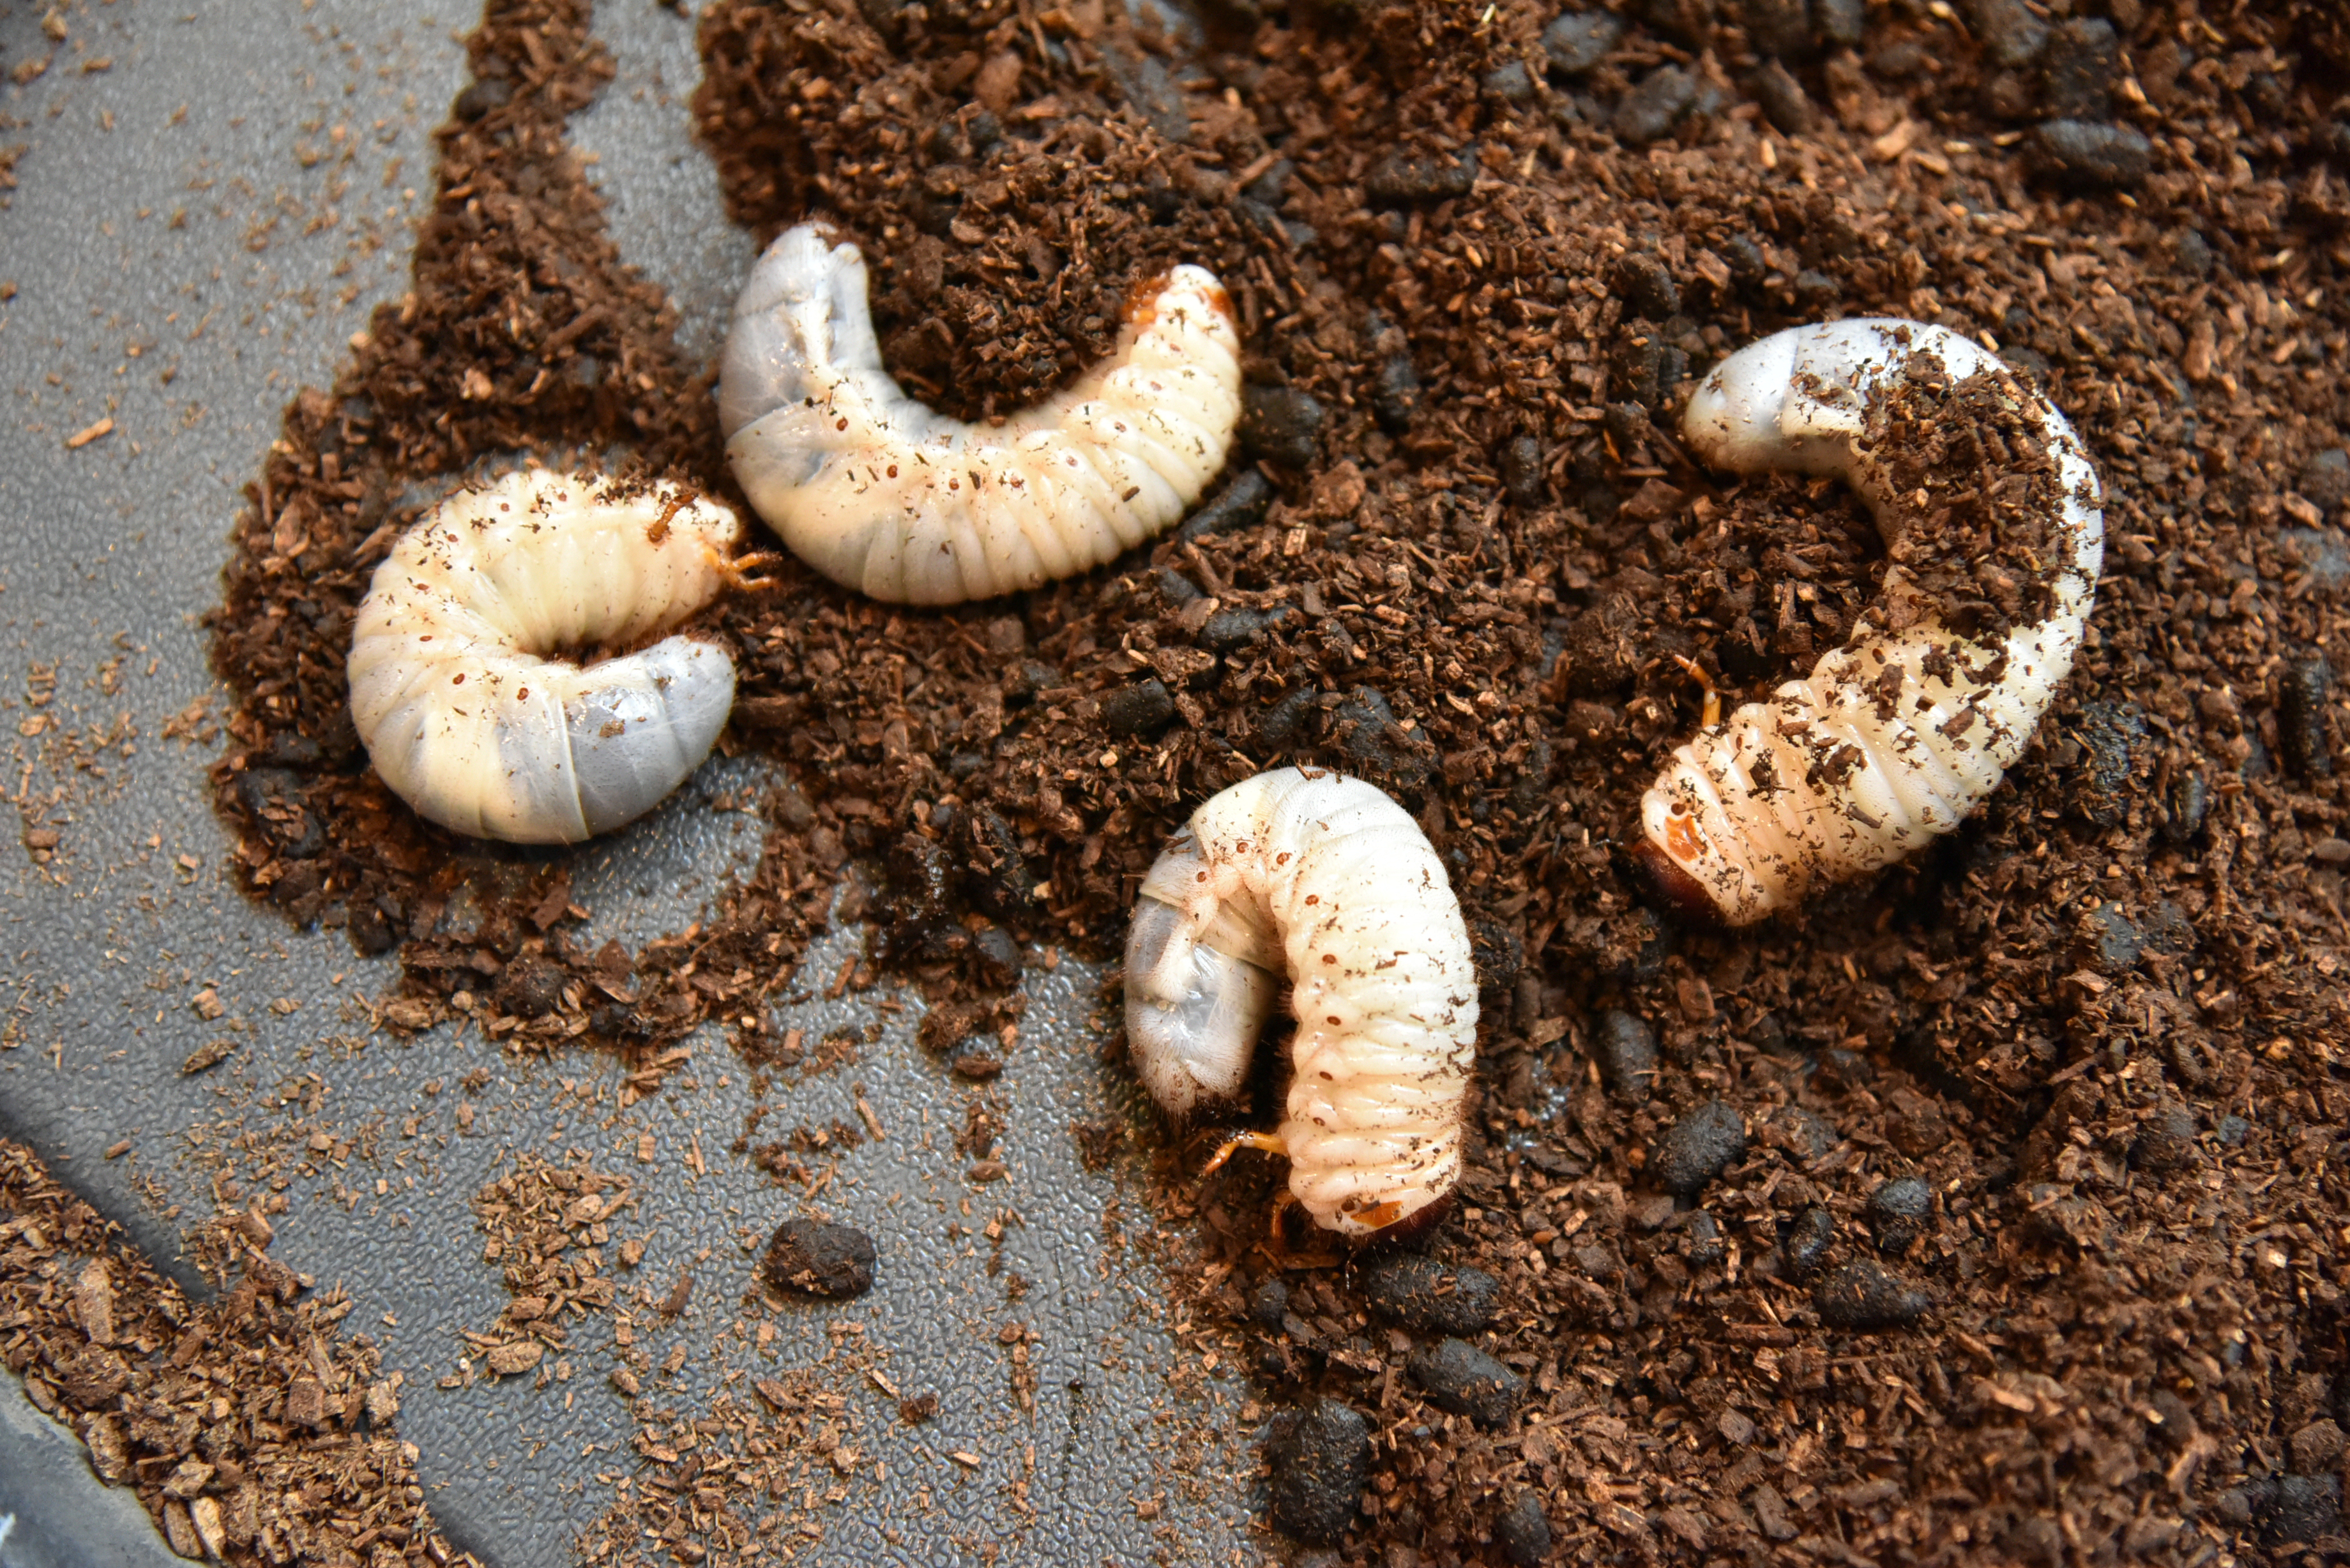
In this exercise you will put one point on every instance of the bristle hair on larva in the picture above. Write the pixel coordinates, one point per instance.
(882, 495)
(1324, 881)
(1898, 733)
(458, 685)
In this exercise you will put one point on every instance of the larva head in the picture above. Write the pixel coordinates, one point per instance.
(1395, 1220)
(1220, 303)
(1152, 295)
(1678, 860)
(1141, 307)
(1392, 1213)
(1381, 1188)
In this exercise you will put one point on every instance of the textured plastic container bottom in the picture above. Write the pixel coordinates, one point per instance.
(111, 554)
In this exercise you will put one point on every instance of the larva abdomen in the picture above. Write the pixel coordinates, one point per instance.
(1898, 735)
(1324, 879)
(883, 495)
(456, 688)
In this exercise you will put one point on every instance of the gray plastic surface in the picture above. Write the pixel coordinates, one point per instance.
(53, 1511)
(190, 333)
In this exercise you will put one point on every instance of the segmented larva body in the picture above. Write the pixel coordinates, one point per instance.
(880, 494)
(456, 687)
(1324, 879)
(1900, 733)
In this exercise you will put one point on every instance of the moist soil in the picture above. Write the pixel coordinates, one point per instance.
(1984, 1209)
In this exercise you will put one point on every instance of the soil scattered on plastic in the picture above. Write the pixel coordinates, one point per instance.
(252, 1428)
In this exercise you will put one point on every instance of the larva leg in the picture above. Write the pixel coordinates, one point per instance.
(885, 496)
(1276, 1246)
(1269, 1143)
(1695, 672)
(739, 572)
(1326, 880)
(1898, 734)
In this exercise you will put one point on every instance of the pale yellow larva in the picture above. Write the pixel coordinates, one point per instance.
(882, 495)
(1897, 735)
(1326, 881)
(456, 687)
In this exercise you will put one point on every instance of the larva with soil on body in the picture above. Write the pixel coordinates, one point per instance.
(1324, 880)
(1899, 733)
(457, 689)
(882, 495)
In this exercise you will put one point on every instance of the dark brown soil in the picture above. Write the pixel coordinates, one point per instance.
(1975, 502)
(2101, 1022)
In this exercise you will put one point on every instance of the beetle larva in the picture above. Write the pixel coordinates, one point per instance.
(1325, 879)
(1897, 735)
(880, 494)
(457, 689)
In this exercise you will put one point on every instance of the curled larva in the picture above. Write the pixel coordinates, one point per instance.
(1897, 735)
(880, 494)
(458, 687)
(1326, 880)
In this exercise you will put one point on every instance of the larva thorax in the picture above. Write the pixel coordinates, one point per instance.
(1899, 733)
(1322, 880)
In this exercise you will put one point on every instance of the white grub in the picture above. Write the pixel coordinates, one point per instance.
(1324, 879)
(880, 494)
(457, 688)
(1839, 775)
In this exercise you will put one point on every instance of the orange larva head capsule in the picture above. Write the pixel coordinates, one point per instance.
(1670, 885)
(1387, 1227)
(1682, 841)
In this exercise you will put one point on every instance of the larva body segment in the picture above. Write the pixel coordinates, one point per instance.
(456, 689)
(1324, 880)
(1900, 733)
(882, 495)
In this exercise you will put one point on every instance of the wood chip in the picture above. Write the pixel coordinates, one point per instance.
(515, 1355)
(211, 1054)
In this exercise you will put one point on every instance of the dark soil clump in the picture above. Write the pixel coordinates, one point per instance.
(1863, 1295)
(1321, 1458)
(1464, 1380)
(1898, 1212)
(1422, 1293)
(1698, 1147)
(813, 1257)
